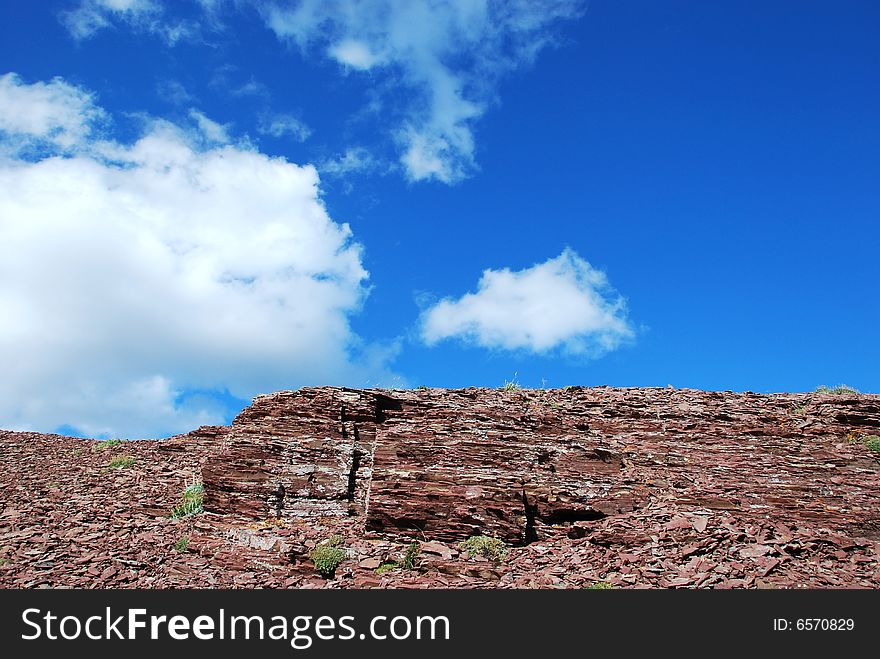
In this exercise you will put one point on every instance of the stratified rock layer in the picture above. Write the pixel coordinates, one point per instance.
(636, 487)
(447, 465)
(451, 464)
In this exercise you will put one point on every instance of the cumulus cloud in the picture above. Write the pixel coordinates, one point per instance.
(132, 274)
(91, 16)
(446, 56)
(563, 303)
(54, 114)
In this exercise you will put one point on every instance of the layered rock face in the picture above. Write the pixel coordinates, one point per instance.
(522, 465)
(630, 487)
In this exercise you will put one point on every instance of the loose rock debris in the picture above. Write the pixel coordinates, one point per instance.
(628, 487)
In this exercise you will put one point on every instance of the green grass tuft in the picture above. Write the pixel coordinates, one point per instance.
(182, 545)
(106, 444)
(327, 556)
(386, 567)
(839, 390)
(872, 442)
(482, 545)
(191, 501)
(600, 585)
(409, 561)
(411, 556)
(121, 462)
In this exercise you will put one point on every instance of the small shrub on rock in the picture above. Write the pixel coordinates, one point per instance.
(327, 556)
(482, 545)
(872, 442)
(839, 390)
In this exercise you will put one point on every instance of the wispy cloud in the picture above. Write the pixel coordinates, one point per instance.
(563, 303)
(284, 125)
(92, 16)
(132, 273)
(355, 160)
(227, 78)
(441, 61)
(210, 129)
(252, 88)
(174, 92)
(446, 57)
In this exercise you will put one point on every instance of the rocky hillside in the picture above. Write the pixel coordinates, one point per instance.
(578, 487)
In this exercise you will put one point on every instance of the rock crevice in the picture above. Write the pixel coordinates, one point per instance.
(410, 464)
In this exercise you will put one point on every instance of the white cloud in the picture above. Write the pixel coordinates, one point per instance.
(227, 78)
(355, 54)
(210, 129)
(173, 91)
(282, 125)
(54, 113)
(252, 88)
(91, 16)
(130, 274)
(563, 303)
(448, 56)
(354, 159)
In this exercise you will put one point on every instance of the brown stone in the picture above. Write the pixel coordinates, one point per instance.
(634, 487)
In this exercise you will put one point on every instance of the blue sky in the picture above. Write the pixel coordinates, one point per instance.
(205, 200)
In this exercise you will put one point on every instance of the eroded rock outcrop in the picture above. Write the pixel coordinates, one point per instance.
(630, 487)
(449, 464)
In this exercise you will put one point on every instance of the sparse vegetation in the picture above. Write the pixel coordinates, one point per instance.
(106, 444)
(798, 410)
(269, 523)
(512, 385)
(328, 555)
(389, 566)
(191, 501)
(483, 545)
(411, 556)
(872, 442)
(600, 585)
(422, 387)
(121, 462)
(182, 545)
(408, 562)
(839, 390)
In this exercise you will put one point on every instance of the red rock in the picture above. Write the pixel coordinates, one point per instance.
(638, 487)
(754, 551)
(438, 549)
